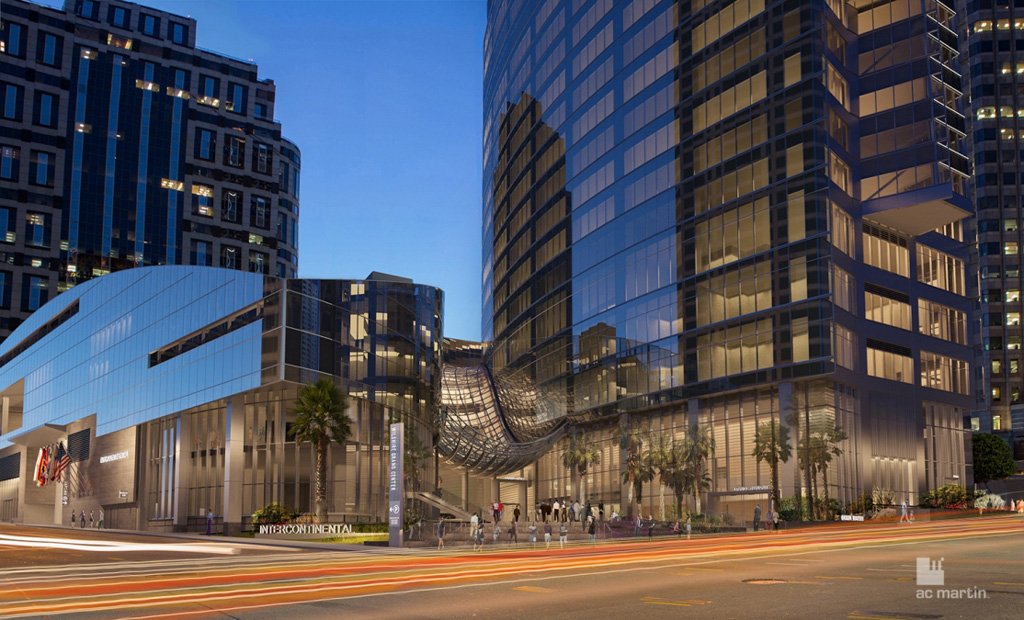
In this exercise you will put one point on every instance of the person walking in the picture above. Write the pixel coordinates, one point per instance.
(440, 533)
(81, 519)
(637, 524)
(533, 533)
(592, 530)
(557, 508)
(474, 522)
(478, 542)
(516, 514)
(513, 534)
(903, 514)
(775, 520)
(92, 524)
(563, 535)
(547, 535)
(650, 529)
(675, 528)
(688, 527)
(497, 533)
(757, 517)
(72, 517)
(600, 510)
(100, 524)
(209, 522)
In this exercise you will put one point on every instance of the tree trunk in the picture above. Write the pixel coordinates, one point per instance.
(824, 480)
(817, 504)
(321, 479)
(776, 500)
(808, 480)
(662, 500)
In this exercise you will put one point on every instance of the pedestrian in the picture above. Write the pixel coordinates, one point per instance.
(533, 533)
(72, 517)
(440, 533)
(497, 533)
(688, 527)
(775, 520)
(547, 535)
(92, 524)
(513, 534)
(501, 510)
(478, 541)
(650, 530)
(494, 511)
(615, 515)
(757, 516)
(556, 507)
(565, 510)
(600, 510)
(516, 514)
(592, 530)
(675, 528)
(903, 515)
(100, 524)
(209, 522)
(563, 535)
(81, 519)
(637, 524)
(474, 522)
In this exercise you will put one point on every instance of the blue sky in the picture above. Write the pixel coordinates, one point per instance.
(384, 100)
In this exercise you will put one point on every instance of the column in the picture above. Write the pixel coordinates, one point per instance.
(234, 462)
(183, 465)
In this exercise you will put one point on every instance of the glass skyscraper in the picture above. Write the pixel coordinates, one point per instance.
(122, 144)
(721, 214)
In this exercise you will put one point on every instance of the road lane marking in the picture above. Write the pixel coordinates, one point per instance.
(822, 577)
(532, 589)
(654, 600)
(699, 568)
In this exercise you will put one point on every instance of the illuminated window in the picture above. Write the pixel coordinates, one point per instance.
(119, 42)
(1012, 318)
(178, 186)
(997, 422)
(1010, 248)
(202, 200)
(1012, 295)
(150, 86)
(892, 362)
(997, 367)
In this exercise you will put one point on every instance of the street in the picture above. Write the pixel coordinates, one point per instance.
(859, 572)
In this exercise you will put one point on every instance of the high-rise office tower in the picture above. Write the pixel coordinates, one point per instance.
(717, 214)
(995, 38)
(123, 144)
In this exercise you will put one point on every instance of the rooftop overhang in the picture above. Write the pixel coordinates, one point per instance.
(40, 436)
(919, 211)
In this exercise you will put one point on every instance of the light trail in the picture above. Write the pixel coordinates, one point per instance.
(330, 576)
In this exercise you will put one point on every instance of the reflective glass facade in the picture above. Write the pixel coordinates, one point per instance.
(721, 213)
(995, 44)
(124, 145)
(186, 378)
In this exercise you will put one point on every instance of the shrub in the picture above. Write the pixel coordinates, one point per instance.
(864, 503)
(881, 497)
(990, 501)
(789, 510)
(951, 496)
(273, 514)
(884, 513)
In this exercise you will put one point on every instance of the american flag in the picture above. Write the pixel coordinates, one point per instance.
(61, 462)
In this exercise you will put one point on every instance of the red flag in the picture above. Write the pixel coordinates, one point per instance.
(41, 465)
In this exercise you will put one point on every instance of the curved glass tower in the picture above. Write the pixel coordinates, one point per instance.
(724, 213)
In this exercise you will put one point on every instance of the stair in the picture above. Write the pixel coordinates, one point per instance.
(445, 507)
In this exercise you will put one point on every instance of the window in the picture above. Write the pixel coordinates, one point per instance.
(230, 210)
(7, 225)
(1012, 319)
(262, 158)
(881, 308)
(944, 373)
(842, 231)
(179, 33)
(1012, 295)
(940, 270)
(258, 262)
(282, 227)
(34, 292)
(45, 112)
(119, 16)
(1010, 248)
(886, 250)
(88, 9)
(261, 110)
(941, 321)
(237, 95)
(209, 91)
(260, 210)
(202, 200)
(234, 151)
(12, 102)
(837, 85)
(892, 362)
(41, 169)
(9, 163)
(846, 347)
(150, 25)
(50, 49)
(843, 289)
(37, 229)
(229, 257)
(839, 172)
(206, 144)
(13, 42)
(201, 253)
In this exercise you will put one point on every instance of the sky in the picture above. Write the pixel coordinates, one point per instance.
(384, 99)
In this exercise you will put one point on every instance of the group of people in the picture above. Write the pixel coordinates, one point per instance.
(568, 512)
(771, 519)
(92, 523)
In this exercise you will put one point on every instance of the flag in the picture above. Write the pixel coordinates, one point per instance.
(61, 462)
(41, 465)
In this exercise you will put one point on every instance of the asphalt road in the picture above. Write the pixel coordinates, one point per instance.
(859, 572)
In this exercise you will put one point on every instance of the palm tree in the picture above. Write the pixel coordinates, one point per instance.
(771, 444)
(678, 475)
(825, 446)
(635, 471)
(700, 446)
(579, 454)
(320, 418)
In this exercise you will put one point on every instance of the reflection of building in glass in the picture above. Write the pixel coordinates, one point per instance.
(190, 373)
(765, 223)
(124, 145)
(997, 119)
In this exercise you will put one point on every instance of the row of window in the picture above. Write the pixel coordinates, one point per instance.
(937, 371)
(49, 47)
(121, 17)
(230, 257)
(37, 228)
(35, 290)
(41, 166)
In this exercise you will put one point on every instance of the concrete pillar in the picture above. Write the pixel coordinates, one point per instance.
(234, 463)
(5, 412)
(182, 469)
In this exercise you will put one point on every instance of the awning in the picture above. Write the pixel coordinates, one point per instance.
(40, 436)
